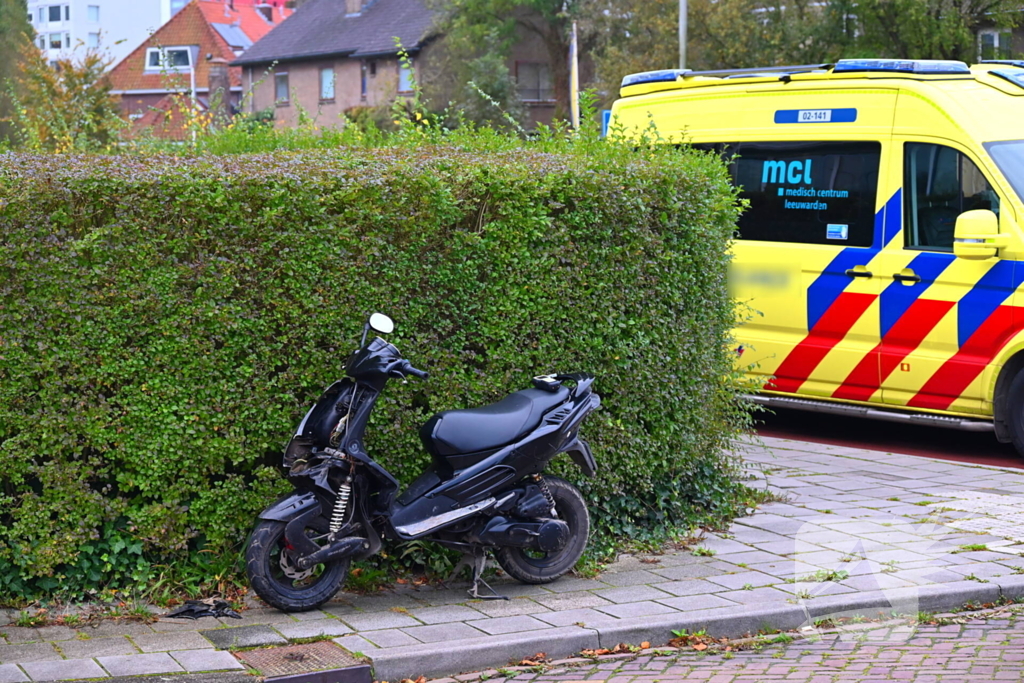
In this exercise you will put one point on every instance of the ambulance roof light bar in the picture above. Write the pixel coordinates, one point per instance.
(912, 66)
(663, 76)
(1007, 62)
(672, 75)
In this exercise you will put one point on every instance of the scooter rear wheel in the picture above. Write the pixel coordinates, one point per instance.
(278, 581)
(530, 566)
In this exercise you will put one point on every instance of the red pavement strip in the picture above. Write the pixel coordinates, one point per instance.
(979, 651)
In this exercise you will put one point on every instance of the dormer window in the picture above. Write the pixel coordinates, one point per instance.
(168, 59)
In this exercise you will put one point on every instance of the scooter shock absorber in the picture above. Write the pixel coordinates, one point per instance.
(341, 505)
(543, 486)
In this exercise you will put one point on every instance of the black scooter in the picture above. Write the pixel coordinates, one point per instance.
(483, 490)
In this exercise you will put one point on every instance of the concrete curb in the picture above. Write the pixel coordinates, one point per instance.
(434, 660)
(440, 659)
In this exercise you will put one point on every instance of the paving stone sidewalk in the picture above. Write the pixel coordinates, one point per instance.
(859, 532)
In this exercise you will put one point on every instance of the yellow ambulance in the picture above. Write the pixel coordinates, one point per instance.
(883, 248)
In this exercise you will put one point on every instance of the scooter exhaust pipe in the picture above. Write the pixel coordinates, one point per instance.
(335, 551)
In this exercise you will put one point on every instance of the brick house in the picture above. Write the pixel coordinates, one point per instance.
(192, 49)
(334, 55)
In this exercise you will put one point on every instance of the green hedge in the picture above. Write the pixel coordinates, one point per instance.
(165, 322)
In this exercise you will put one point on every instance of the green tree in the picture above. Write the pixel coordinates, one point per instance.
(476, 87)
(930, 29)
(470, 24)
(67, 105)
(638, 35)
(14, 31)
(641, 35)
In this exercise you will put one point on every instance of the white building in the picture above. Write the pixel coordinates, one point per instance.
(116, 26)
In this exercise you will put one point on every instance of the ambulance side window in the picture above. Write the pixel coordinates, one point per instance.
(806, 192)
(939, 184)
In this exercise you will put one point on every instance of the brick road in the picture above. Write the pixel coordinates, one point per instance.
(977, 651)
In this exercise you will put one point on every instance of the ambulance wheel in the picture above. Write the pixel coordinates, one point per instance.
(1015, 412)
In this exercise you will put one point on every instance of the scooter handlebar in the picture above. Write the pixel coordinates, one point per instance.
(408, 369)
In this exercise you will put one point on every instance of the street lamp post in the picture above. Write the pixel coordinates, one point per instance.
(682, 34)
(192, 94)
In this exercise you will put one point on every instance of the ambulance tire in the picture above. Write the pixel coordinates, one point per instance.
(1015, 412)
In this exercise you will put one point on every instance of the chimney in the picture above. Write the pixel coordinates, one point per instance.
(353, 6)
(267, 11)
(220, 91)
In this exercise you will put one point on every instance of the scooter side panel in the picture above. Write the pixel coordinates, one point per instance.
(579, 451)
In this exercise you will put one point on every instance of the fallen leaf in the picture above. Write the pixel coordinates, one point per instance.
(644, 645)
(700, 647)
(402, 581)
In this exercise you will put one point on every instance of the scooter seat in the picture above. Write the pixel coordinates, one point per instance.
(480, 429)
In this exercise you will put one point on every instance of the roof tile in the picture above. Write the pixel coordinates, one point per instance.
(322, 27)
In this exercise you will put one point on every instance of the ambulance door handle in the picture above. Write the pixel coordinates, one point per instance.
(858, 273)
(900, 277)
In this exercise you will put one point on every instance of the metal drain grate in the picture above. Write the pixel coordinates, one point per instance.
(298, 659)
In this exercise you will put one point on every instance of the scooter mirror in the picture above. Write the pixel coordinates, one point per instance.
(381, 323)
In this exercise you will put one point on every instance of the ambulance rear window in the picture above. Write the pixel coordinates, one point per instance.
(806, 192)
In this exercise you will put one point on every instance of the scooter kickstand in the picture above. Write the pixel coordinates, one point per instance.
(476, 560)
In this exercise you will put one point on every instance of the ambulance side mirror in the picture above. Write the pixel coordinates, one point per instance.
(976, 235)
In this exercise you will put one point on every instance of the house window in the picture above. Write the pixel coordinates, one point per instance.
(327, 84)
(67, 12)
(56, 41)
(42, 42)
(373, 68)
(94, 13)
(54, 12)
(281, 88)
(364, 69)
(405, 77)
(42, 15)
(168, 58)
(995, 43)
(93, 41)
(533, 82)
(31, 17)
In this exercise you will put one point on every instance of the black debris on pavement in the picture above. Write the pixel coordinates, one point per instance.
(196, 609)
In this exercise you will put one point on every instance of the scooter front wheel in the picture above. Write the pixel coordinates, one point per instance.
(531, 566)
(276, 579)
